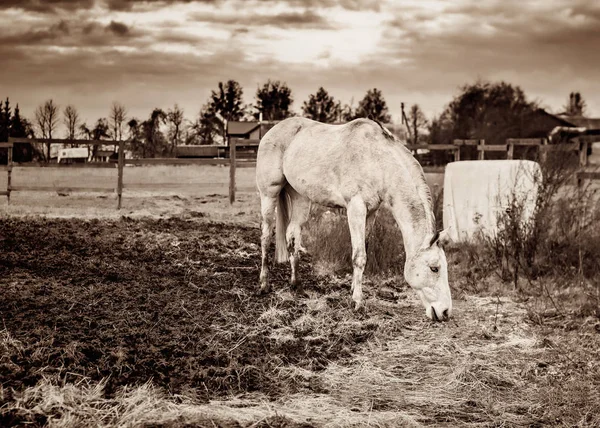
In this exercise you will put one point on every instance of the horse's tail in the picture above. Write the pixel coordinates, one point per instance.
(284, 207)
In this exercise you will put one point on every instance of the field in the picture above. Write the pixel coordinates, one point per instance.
(149, 317)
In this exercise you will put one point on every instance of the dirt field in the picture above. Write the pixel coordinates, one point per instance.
(149, 317)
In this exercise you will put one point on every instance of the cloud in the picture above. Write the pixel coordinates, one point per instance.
(354, 5)
(36, 37)
(70, 34)
(291, 19)
(118, 28)
(152, 53)
(47, 6)
(499, 41)
(128, 5)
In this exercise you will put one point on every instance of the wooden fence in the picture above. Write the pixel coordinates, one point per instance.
(248, 147)
(231, 161)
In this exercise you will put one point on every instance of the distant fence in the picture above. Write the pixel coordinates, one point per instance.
(580, 145)
(230, 161)
(241, 153)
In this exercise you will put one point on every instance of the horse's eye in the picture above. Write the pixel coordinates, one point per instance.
(433, 269)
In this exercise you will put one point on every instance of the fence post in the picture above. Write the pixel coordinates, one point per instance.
(510, 153)
(120, 165)
(232, 162)
(457, 154)
(542, 150)
(9, 167)
(481, 153)
(583, 149)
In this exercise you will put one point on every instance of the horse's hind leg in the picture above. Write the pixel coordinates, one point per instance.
(357, 218)
(267, 207)
(299, 216)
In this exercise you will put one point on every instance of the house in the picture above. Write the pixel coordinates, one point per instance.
(252, 131)
(248, 130)
(244, 130)
(590, 129)
(542, 124)
(557, 128)
(591, 124)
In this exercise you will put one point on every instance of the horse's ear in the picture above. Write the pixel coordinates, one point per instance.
(435, 238)
(440, 238)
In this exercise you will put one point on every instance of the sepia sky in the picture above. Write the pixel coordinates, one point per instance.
(155, 53)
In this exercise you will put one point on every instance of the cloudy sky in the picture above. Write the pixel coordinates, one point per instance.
(154, 53)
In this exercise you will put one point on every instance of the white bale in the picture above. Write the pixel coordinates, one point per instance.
(477, 192)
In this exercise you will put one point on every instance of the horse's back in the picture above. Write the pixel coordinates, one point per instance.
(327, 163)
(269, 159)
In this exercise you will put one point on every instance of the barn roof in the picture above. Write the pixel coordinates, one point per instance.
(241, 128)
(561, 119)
(581, 121)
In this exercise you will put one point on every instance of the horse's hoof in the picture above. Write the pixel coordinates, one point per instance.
(263, 290)
(296, 287)
(300, 292)
(358, 306)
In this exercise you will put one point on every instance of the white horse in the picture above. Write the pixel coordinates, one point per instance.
(358, 166)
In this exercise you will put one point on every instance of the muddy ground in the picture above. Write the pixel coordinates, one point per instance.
(168, 300)
(173, 302)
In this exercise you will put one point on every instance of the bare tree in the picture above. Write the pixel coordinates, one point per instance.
(83, 128)
(576, 105)
(175, 119)
(46, 118)
(416, 122)
(117, 117)
(71, 121)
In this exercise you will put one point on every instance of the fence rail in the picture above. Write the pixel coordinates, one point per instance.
(120, 165)
(238, 146)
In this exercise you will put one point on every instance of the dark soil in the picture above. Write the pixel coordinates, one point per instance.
(172, 301)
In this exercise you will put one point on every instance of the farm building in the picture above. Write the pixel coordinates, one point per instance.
(248, 130)
(200, 151)
(542, 124)
(251, 131)
(244, 130)
(104, 156)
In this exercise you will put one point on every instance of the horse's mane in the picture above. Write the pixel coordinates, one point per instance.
(417, 172)
(386, 133)
(423, 190)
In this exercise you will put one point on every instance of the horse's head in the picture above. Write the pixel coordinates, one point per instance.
(427, 273)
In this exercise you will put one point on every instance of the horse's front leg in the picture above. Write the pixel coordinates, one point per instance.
(357, 217)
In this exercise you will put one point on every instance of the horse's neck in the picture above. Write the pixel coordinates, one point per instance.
(412, 215)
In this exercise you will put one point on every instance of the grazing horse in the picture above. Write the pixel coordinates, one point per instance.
(358, 166)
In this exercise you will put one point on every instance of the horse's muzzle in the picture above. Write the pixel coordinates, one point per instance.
(439, 317)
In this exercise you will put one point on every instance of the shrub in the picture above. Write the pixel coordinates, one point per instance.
(328, 241)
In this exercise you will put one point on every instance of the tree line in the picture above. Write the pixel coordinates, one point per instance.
(486, 110)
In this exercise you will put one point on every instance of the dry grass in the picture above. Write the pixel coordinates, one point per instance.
(191, 198)
(485, 368)
(507, 358)
(186, 175)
